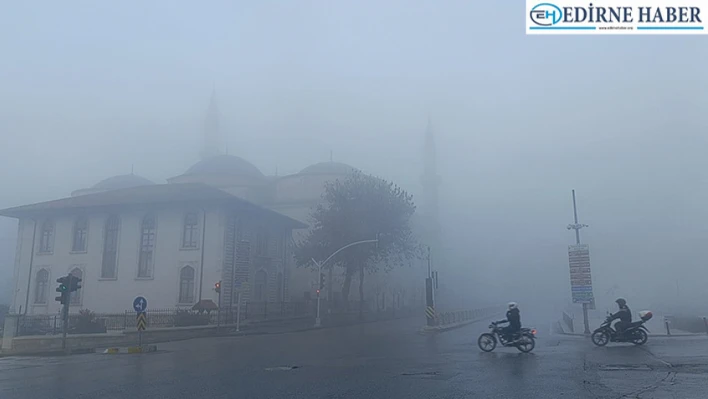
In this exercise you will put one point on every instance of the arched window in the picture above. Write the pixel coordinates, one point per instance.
(46, 239)
(75, 299)
(260, 286)
(186, 285)
(190, 233)
(40, 286)
(279, 287)
(80, 236)
(110, 247)
(147, 246)
(262, 243)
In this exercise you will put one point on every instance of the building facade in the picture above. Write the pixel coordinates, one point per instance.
(169, 243)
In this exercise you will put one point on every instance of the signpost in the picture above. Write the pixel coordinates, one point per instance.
(580, 278)
(140, 305)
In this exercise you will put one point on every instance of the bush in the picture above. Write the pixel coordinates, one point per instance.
(87, 323)
(186, 318)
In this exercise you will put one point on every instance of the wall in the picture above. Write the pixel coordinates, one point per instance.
(116, 295)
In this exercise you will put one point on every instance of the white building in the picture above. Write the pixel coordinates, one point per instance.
(221, 220)
(170, 243)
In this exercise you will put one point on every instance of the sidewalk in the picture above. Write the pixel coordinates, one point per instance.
(655, 326)
(36, 345)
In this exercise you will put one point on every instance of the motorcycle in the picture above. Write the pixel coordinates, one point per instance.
(524, 340)
(636, 333)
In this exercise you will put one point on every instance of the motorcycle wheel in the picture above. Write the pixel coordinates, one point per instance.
(487, 342)
(600, 338)
(526, 344)
(640, 337)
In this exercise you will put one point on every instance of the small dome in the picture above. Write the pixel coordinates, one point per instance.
(224, 165)
(121, 181)
(328, 168)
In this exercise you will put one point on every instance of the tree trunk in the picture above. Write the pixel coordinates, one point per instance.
(346, 286)
(361, 291)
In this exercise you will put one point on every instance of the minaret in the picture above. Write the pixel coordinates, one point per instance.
(431, 182)
(212, 139)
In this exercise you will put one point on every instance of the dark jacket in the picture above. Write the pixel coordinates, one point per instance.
(624, 315)
(513, 316)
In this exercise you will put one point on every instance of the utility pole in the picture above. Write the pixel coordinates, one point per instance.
(577, 226)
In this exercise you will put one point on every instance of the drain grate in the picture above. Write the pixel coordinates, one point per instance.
(422, 373)
(282, 368)
(625, 367)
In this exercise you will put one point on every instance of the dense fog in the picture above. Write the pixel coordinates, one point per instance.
(519, 122)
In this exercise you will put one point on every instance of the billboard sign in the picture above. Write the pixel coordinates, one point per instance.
(580, 278)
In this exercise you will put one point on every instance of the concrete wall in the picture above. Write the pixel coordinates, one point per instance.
(116, 295)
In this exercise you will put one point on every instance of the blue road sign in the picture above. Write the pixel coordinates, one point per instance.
(140, 304)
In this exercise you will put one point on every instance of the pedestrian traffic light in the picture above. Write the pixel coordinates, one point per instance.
(217, 287)
(74, 283)
(322, 281)
(63, 289)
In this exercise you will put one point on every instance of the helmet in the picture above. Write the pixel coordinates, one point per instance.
(512, 305)
(621, 301)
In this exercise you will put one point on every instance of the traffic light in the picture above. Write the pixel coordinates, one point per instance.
(74, 283)
(217, 287)
(322, 281)
(63, 289)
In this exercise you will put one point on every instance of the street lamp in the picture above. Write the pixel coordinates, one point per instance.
(318, 321)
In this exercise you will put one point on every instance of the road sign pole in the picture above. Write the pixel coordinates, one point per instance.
(577, 226)
(238, 311)
(318, 322)
(65, 322)
(218, 312)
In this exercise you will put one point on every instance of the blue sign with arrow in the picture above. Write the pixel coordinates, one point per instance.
(140, 304)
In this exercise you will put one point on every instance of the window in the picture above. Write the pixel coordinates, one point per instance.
(279, 287)
(41, 285)
(259, 292)
(110, 247)
(80, 235)
(75, 299)
(262, 244)
(147, 247)
(46, 240)
(186, 285)
(190, 234)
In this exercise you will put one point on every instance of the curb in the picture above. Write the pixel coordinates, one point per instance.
(561, 330)
(427, 330)
(131, 350)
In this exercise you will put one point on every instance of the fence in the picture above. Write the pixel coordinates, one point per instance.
(158, 318)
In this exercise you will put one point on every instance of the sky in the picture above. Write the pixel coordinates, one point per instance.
(95, 89)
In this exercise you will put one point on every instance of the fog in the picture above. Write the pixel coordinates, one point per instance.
(94, 90)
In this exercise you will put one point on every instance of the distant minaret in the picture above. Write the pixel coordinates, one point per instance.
(431, 182)
(212, 138)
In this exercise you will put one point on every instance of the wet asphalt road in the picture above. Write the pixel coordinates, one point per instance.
(377, 360)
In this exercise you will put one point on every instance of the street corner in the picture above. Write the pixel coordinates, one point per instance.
(130, 350)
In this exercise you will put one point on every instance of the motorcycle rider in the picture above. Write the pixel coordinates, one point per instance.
(624, 314)
(513, 317)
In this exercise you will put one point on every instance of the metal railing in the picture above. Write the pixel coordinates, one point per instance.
(445, 318)
(159, 318)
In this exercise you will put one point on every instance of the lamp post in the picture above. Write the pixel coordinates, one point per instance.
(318, 321)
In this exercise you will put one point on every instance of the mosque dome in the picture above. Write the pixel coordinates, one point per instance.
(228, 165)
(328, 168)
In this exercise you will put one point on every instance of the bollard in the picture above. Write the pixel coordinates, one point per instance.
(668, 331)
